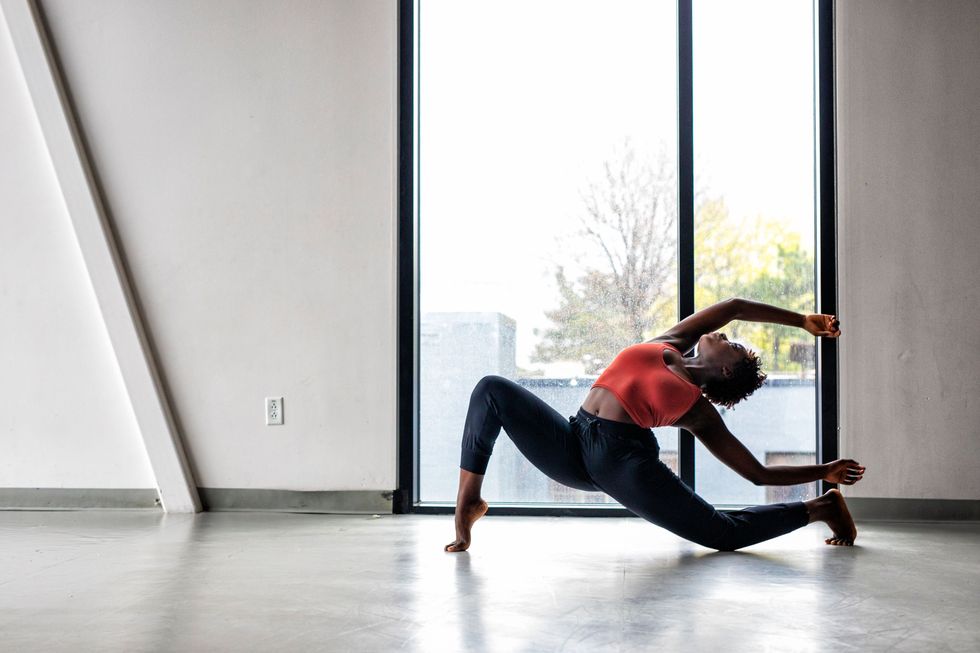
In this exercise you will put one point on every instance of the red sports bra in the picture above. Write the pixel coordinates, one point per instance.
(649, 391)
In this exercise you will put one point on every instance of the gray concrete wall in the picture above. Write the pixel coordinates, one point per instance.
(908, 112)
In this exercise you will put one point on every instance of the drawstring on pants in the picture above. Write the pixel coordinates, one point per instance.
(591, 425)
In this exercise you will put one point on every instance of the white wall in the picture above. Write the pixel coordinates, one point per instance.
(909, 232)
(247, 154)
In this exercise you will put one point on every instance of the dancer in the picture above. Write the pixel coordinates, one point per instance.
(608, 445)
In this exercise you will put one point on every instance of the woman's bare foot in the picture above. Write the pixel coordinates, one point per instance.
(830, 508)
(466, 514)
(469, 507)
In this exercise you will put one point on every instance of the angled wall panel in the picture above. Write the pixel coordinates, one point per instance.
(104, 262)
(67, 421)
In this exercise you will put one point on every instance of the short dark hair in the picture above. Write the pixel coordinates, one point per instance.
(747, 377)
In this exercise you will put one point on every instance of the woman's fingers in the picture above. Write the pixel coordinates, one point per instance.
(853, 472)
(853, 476)
(822, 325)
(835, 324)
(831, 326)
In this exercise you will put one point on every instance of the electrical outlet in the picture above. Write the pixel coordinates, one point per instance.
(273, 411)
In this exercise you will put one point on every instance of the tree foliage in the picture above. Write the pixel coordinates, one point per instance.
(762, 260)
(630, 218)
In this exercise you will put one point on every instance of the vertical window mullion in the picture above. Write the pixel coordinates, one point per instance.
(826, 241)
(406, 493)
(685, 192)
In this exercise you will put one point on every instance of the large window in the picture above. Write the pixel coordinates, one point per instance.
(546, 190)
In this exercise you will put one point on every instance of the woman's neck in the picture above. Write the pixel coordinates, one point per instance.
(698, 370)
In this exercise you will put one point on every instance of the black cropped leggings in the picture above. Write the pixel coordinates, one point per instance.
(591, 453)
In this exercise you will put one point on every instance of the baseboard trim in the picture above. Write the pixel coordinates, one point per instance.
(380, 502)
(885, 509)
(320, 501)
(213, 499)
(51, 498)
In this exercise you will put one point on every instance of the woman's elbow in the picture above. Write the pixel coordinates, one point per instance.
(736, 305)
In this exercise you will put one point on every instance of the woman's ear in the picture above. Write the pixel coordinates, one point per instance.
(727, 372)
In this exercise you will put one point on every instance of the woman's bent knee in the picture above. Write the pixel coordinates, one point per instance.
(727, 546)
(487, 383)
(729, 540)
(725, 540)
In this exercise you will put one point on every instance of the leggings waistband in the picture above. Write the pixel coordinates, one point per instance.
(621, 429)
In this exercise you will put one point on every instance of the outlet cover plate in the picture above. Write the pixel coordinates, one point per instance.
(273, 411)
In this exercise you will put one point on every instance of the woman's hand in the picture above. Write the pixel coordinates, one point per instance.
(822, 325)
(844, 471)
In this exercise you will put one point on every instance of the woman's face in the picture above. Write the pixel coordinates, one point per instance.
(715, 349)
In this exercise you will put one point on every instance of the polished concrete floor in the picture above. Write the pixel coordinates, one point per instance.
(250, 581)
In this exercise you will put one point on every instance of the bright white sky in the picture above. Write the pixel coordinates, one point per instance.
(521, 101)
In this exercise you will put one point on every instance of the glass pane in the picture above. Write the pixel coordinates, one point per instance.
(754, 221)
(547, 220)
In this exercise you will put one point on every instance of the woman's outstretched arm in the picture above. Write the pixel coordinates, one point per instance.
(707, 425)
(817, 324)
(685, 333)
(751, 311)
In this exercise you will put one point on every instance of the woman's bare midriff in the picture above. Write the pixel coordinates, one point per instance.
(603, 403)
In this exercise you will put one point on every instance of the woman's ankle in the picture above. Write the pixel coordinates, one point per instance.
(816, 509)
(470, 487)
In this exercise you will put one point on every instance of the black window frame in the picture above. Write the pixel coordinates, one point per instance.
(406, 495)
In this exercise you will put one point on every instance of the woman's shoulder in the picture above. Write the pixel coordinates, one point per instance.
(665, 340)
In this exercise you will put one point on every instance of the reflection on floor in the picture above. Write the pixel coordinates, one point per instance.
(145, 581)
